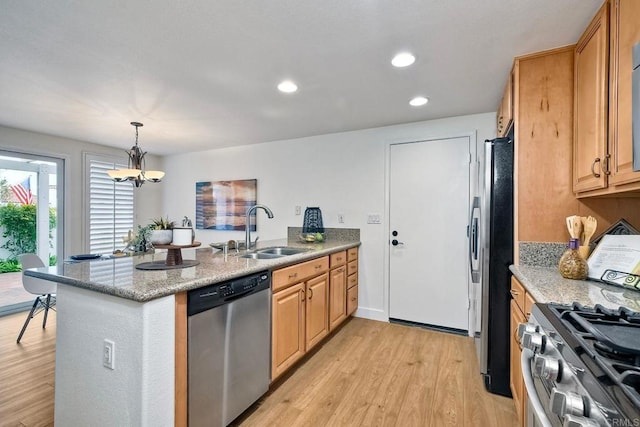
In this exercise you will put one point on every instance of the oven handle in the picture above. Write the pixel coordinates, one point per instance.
(525, 359)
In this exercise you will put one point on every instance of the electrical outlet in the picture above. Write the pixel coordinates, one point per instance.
(298, 210)
(109, 354)
(374, 219)
(341, 218)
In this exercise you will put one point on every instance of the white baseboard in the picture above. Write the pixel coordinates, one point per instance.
(372, 314)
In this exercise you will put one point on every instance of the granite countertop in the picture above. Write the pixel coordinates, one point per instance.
(119, 277)
(546, 285)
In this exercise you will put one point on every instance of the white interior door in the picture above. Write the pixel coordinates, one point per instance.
(429, 212)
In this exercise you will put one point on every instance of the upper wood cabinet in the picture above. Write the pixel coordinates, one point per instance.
(625, 33)
(603, 155)
(591, 64)
(505, 111)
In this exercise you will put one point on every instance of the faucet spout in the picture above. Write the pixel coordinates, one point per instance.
(247, 234)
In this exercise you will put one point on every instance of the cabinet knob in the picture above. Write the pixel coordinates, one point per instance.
(293, 276)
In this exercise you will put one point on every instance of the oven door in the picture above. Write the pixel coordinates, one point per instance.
(537, 415)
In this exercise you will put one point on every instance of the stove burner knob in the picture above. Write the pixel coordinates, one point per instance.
(566, 403)
(547, 367)
(575, 421)
(526, 327)
(533, 341)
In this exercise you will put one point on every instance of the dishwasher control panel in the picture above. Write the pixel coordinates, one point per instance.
(211, 296)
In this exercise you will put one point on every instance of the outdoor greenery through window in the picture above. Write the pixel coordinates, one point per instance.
(111, 207)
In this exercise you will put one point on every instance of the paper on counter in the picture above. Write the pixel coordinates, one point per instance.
(614, 252)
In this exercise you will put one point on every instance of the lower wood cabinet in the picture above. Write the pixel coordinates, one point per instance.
(516, 380)
(304, 312)
(352, 300)
(317, 304)
(521, 305)
(337, 297)
(287, 328)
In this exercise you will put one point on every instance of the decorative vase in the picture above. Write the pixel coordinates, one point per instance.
(572, 265)
(161, 237)
(182, 236)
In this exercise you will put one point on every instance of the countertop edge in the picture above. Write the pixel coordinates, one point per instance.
(546, 285)
(168, 289)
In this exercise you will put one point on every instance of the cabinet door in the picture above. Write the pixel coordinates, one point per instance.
(287, 328)
(516, 380)
(591, 77)
(625, 33)
(337, 297)
(505, 113)
(317, 310)
(352, 300)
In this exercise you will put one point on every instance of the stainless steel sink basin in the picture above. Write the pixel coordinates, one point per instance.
(257, 255)
(281, 251)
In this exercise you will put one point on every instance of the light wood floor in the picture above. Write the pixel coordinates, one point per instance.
(380, 374)
(27, 371)
(369, 374)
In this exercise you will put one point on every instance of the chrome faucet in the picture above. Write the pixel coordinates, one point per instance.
(247, 235)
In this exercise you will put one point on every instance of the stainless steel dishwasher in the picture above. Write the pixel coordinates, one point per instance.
(229, 348)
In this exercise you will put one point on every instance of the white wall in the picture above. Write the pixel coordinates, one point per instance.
(340, 173)
(140, 390)
(148, 197)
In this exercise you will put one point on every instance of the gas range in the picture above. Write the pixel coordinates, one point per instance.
(581, 366)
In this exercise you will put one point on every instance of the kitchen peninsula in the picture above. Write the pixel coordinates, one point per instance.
(135, 309)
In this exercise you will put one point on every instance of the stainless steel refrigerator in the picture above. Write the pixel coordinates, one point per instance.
(490, 254)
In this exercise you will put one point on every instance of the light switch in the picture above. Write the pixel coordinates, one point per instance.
(374, 218)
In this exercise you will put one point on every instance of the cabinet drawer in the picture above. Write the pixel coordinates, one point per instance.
(298, 272)
(339, 258)
(352, 281)
(352, 300)
(518, 293)
(352, 267)
(352, 254)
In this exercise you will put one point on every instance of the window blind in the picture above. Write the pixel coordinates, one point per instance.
(111, 208)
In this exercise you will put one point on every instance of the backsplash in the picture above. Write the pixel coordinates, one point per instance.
(330, 233)
(541, 254)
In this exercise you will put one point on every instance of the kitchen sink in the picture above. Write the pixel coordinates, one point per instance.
(281, 251)
(257, 255)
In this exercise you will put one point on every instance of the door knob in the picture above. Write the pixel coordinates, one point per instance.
(394, 233)
(394, 242)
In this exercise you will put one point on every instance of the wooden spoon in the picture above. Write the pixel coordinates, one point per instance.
(577, 227)
(570, 225)
(590, 224)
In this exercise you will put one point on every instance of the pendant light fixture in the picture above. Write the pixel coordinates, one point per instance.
(135, 172)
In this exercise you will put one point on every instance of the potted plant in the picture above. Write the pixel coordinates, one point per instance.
(140, 241)
(162, 231)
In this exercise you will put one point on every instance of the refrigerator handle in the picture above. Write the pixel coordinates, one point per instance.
(473, 233)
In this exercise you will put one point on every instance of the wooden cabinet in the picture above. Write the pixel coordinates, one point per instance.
(317, 304)
(624, 34)
(591, 77)
(603, 155)
(284, 277)
(287, 328)
(308, 302)
(352, 281)
(504, 117)
(337, 297)
(516, 380)
(521, 305)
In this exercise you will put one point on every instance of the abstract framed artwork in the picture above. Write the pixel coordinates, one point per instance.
(222, 205)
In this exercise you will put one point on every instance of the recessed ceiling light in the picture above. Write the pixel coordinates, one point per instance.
(418, 101)
(287, 86)
(403, 59)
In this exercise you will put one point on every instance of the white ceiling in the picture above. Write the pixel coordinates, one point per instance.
(202, 74)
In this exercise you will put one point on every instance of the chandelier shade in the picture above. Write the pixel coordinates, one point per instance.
(136, 171)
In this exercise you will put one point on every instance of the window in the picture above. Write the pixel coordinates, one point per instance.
(110, 207)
